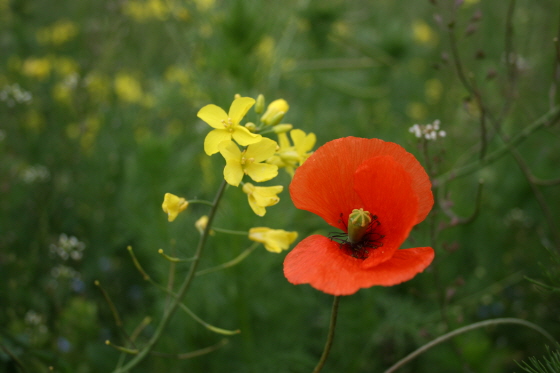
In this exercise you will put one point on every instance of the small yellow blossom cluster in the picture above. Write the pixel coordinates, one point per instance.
(157, 10)
(247, 151)
(58, 33)
(261, 156)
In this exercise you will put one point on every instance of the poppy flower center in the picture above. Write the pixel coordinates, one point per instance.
(362, 237)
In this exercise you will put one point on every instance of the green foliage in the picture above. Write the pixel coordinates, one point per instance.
(548, 364)
(98, 104)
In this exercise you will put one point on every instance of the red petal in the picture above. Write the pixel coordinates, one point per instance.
(318, 261)
(322, 185)
(385, 188)
(403, 266)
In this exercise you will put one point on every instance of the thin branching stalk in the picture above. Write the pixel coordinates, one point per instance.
(511, 64)
(465, 329)
(238, 259)
(470, 87)
(190, 355)
(182, 290)
(547, 119)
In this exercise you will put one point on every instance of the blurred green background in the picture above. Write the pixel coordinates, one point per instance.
(98, 103)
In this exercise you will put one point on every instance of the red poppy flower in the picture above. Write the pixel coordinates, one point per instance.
(376, 176)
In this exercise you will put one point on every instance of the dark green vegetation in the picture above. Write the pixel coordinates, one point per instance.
(98, 103)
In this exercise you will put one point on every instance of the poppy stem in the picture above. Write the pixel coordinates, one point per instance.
(330, 336)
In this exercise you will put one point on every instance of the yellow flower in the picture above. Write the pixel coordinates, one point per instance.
(173, 205)
(127, 88)
(303, 144)
(226, 126)
(275, 112)
(274, 240)
(423, 33)
(291, 156)
(38, 68)
(249, 161)
(58, 33)
(261, 197)
(201, 224)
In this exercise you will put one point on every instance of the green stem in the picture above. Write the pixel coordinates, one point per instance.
(481, 324)
(330, 336)
(168, 312)
(201, 202)
(238, 259)
(229, 231)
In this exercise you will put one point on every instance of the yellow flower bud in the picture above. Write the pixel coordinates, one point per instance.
(201, 223)
(282, 128)
(251, 126)
(275, 112)
(259, 106)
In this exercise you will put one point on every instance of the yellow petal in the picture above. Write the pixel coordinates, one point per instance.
(214, 138)
(261, 150)
(258, 234)
(276, 160)
(261, 171)
(267, 196)
(274, 240)
(283, 141)
(173, 205)
(261, 197)
(302, 142)
(233, 172)
(257, 209)
(239, 107)
(229, 151)
(213, 115)
(248, 188)
(245, 137)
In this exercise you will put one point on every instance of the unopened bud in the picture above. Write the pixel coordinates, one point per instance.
(259, 106)
(276, 118)
(275, 112)
(201, 224)
(282, 128)
(251, 126)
